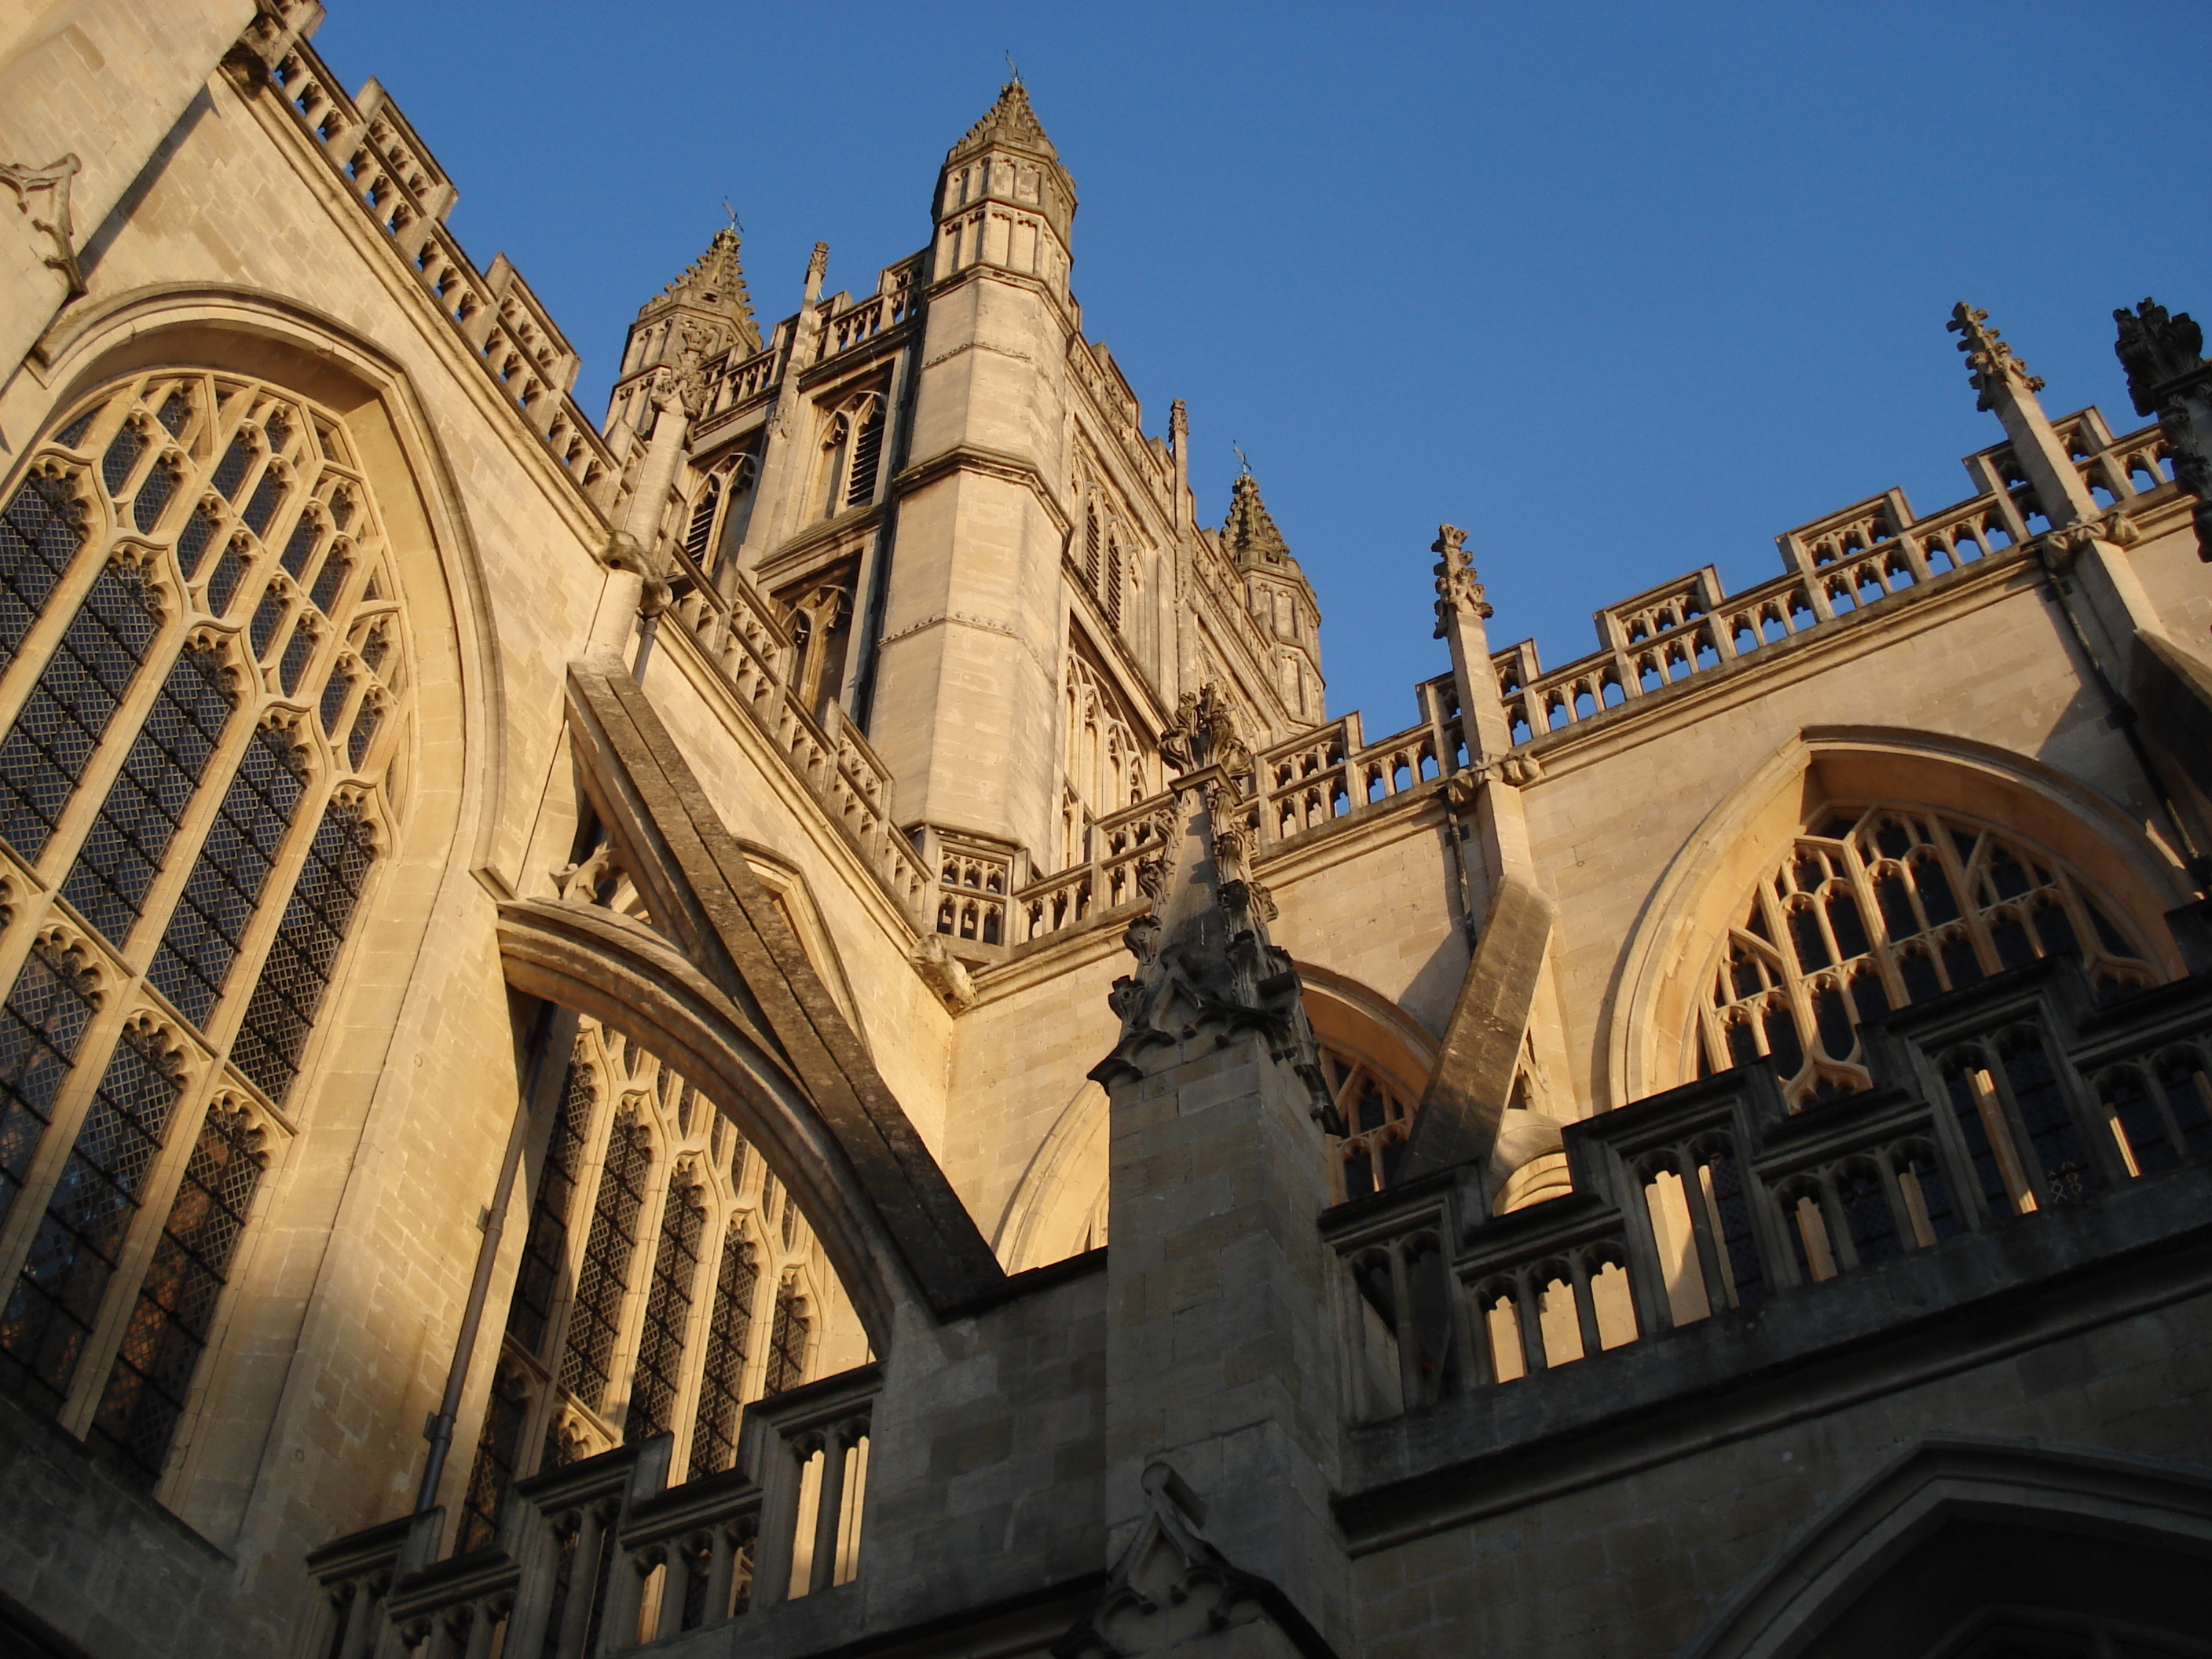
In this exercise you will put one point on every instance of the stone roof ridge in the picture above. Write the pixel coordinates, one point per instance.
(1009, 121)
(1248, 534)
(715, 281)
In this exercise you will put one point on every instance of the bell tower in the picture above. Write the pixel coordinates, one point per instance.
(965, 708)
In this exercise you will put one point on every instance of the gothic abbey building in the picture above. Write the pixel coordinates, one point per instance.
(778, 1025)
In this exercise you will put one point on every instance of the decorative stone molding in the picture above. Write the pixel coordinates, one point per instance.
(2169, 379)
(53, 182)
(1204, 733)
(2067, 546)
(1171, 1586)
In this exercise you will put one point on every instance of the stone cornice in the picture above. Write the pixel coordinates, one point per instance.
(990, 463)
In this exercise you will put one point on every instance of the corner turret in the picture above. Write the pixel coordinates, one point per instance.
(1006, 163)
(1277, 596)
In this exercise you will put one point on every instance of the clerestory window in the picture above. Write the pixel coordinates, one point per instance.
(192, 572)
(1884, 904)
(636, 1309)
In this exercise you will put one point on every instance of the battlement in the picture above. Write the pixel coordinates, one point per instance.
(1843, 561)
(392, 176)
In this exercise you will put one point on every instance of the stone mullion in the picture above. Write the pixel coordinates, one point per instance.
(159, 1193)
(629, 1323)
(101, 1032)
(706, 1272)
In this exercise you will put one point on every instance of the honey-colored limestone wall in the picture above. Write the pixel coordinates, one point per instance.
(1985, 660)
(1635, 1566)
(241, 251)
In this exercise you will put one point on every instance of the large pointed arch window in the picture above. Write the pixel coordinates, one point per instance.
(201, 662)
(641, 1306)
(1881, 905)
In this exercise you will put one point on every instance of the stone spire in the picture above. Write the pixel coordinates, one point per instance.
(2008, 390)
(1010, 122)
(712, 284)
(1248, 534)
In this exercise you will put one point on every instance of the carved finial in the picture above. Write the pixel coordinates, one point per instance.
(1178, 421)
(2156, 347)
(1248, 534)
(1990, 362)
(1204, 733)
(818, 267)
(1457, 590)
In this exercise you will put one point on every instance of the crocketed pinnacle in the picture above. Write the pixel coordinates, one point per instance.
(714, 281)
(1248, 533)
(1009, 121)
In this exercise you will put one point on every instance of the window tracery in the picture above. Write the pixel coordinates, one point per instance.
(635, 1308)
(181, 564)
(1105, 766)
(1378, 1119)
(1882, 905)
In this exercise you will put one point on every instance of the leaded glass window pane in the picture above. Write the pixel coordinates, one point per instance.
(124, 851)
(171, 1321)
(40, 1024)
(289, 992)
(656, 1383)
(74, 1253)
(605, 1276)
(41, 533)
(787, 1341)
(67, 713)
(729, 1331)
(209, 924)
(545, 1250)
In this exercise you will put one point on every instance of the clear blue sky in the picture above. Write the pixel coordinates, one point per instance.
(1623, 290)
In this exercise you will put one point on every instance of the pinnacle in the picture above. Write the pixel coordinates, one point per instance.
(716, 282)
(1009, 121)
(1248, 534)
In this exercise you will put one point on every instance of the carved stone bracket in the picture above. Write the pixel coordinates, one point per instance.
(1170, 1585)
(2067, 545)
(1458, 592)
(51, 181)
(1515, 771)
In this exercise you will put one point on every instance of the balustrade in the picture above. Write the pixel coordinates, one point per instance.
(1989, 1107)
(1851, 558)
(602, 1555)
(392, 176)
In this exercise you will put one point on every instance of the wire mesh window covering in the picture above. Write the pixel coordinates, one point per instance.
(174, 1315)
(659, 1377)
(492, 1474)
(63, 721)
(161, 502)
(603, 1279)
(296, 972)
(538, 1282)
(58, 1295)
(729, 1336)
(41, 1023)
(207, 929)
(1882, 905)
(123, 850)
(701, 1327)
(41, 529)
(787, 1341)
